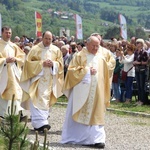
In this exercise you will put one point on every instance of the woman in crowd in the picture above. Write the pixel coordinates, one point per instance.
(140, 63)
(80, 45)
(116, 77)
(127, 60)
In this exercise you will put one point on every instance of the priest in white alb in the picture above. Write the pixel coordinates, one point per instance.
(42, 80)
(87, 88)
(11, 62)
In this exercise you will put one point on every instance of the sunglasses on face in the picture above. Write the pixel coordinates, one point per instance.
(137, 42)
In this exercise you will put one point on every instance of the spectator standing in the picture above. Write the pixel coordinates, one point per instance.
(124, 46)
(133, 40)
(116, 82)
(74, 51)
(127, 61)
(72, 39)
(60, 44)
(140, 63)
(65, 53)
(27, 49)
(38, 40)
(80, 45)
(17, 40)
(148, 51)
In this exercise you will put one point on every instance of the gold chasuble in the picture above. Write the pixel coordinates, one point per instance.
(91, 93)
(43, 85)
(10, 72)
(110, 60)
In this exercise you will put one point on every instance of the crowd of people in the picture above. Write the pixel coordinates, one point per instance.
(88, 73)
(132, 57)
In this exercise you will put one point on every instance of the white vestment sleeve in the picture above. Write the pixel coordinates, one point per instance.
(16, 71)
(87, 78)
(3, 79)
(54, 70)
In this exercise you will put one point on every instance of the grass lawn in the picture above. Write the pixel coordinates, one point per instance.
(1, 143)
(130, 107)
(121, 106)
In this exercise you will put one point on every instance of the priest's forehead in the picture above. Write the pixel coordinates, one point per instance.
(47, 33)
(92, 39)
(6, 28)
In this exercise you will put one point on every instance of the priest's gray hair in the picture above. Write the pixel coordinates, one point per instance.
(88, 40)
(95, 34)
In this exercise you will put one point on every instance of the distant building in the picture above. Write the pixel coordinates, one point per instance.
(146, 30)
(64, 17)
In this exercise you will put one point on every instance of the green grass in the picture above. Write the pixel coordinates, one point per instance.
(121, 106)
(34, 4)
(63, 99)
(1, 143)
(130, 107)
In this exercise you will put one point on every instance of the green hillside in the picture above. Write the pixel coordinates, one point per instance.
(97, 15)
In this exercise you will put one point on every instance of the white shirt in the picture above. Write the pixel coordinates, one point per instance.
(128, 63)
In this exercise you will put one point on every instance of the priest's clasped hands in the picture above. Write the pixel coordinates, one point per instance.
(93, 71)
(47, 63)
(10, 59)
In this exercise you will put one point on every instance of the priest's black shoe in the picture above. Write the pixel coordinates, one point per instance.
(96, 145)
(99, 145)
(41, 129)
(2, 117)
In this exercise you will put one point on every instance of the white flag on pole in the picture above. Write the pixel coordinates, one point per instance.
(123, 26)
(0, 24)
(79, 33)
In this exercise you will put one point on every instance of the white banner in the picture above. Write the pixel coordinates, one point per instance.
(68, 32)
(0, 25)
(123, 26)
(79, 34)
(61, 31)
